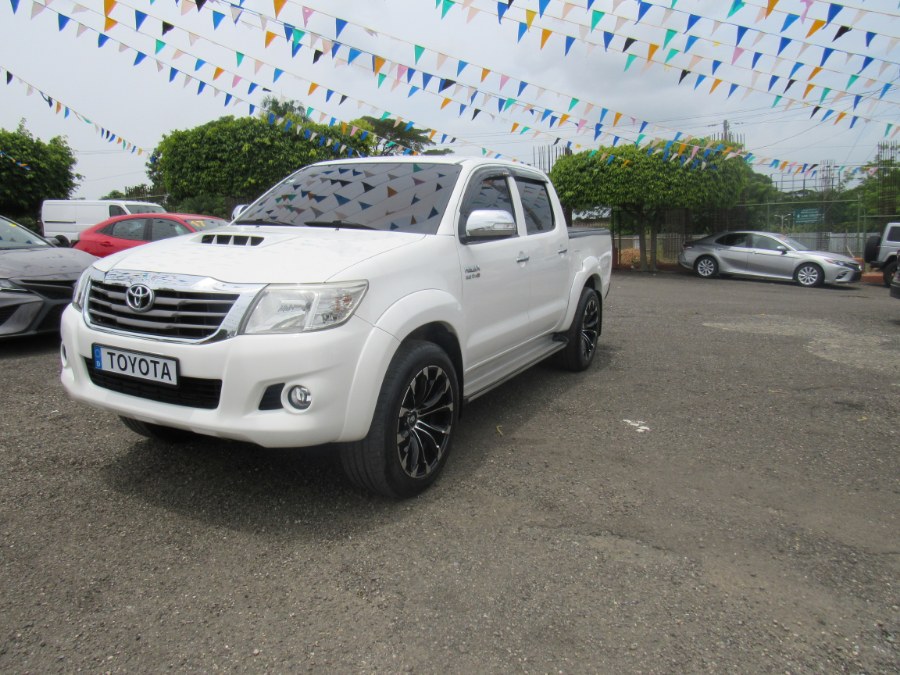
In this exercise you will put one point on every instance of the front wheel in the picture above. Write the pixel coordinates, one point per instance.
(582, 336)
(809, 275)
(706, 267)
(412, 428)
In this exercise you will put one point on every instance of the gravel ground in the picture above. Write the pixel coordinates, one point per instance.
(718, 493)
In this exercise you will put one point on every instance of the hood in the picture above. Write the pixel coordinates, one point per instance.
(43, 263)
(833, 256)
(260, 254)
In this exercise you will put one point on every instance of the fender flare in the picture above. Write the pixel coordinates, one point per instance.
(395, 324)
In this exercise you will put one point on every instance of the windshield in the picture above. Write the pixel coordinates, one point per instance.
(793, 243)
(13, 235)
(391, 196)
(145, 208)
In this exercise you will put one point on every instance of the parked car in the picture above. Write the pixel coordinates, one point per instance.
(895, 281)
(361, 302)
(767, 255)
(123, 232)
(881, 251)
(68, 218)
(36, 280)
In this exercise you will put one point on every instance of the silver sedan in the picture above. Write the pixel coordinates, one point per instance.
(767, 255)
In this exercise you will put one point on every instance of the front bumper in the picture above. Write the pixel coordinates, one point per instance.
(341, 367)
(835, 274)
(29, 314)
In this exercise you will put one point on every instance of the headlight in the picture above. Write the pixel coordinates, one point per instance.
(301, 308)
(841, 263)
(80, 289)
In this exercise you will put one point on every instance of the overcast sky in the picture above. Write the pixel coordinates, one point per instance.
(143, 82)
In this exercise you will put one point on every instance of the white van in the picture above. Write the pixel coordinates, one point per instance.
(68, 217)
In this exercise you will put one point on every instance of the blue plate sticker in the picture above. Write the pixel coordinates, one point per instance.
(98, 358)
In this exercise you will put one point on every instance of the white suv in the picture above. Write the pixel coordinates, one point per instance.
(881, 251)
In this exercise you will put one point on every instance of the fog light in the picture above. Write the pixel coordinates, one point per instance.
(299, 397)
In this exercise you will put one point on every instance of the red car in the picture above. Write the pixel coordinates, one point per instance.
(124, 232)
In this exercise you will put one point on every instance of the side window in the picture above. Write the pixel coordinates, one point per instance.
(764, 242)
(115, 210)
(488, 192)
(536, 204)
(162, 228)
(733, 239)
(132, 229)
(894, 233)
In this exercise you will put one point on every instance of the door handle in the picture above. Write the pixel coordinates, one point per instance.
(523, 258)
(563, 251)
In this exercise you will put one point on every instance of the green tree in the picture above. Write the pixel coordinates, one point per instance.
(879, 190)
(644, 186)
(142, 192)
(49, 174)
(230, 161)
(395, 138)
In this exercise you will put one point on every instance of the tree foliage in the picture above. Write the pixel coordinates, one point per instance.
(235, 160)
(395, 139)
(50, 173)
(644, 186)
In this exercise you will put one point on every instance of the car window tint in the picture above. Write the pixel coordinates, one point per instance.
(733, 239)
(536, 204)
(894, 233)
(116, 211)
(162, 228)
(132, 229)
(488, 192)
(762, 241)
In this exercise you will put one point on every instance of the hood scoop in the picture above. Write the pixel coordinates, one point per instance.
(231, 240)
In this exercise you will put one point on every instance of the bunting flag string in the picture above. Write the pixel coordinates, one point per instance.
(21, 165)
(690, 39)
(505, 103)
(58, 107)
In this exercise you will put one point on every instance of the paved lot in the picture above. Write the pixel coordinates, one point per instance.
(719, 493)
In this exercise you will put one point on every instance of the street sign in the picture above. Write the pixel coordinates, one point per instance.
(808, 216)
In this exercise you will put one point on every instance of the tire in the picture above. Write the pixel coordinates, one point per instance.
(582, 336)
(873, 244)
(413, 425)
(706, 267)
(157, 432)
(888, 272)
(809, 275)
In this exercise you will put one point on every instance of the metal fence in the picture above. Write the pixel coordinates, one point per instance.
(669, 244)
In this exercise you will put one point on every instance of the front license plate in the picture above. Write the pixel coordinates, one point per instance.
(135, 364)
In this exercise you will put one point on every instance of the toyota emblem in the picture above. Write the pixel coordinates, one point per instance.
(139, 297)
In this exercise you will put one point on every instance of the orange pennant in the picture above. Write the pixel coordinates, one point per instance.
(269, 37)
(218, 71)
(312, 87)
(840, 117)
(715, 84)
(808, 89)
(279, 5)
(815, 71)
(545, 34)
(770, 7)
(445, 103)
(108, 6)
(529, 17)
(484, 73)
(514, 127)
(817, 24)
(379, 63)
(109, 24)
(562, 120)
(617, 118)
(651, 50)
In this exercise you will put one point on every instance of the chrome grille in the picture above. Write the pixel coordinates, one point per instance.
(186, 315)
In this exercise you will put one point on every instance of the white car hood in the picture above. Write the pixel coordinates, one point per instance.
(260, 254)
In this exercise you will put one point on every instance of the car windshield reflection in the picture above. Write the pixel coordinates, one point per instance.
(13, 235)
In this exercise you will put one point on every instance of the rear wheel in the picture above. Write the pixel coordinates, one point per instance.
(706, 267)
(809, 275)
(582, 336)
(157, 431)
(888, 272)
(412, 428)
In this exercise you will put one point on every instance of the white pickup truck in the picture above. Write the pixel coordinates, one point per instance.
(358, 302)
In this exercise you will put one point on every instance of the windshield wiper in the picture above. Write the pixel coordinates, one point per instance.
(338, 224)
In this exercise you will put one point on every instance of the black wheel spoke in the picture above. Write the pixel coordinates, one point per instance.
(424, 421)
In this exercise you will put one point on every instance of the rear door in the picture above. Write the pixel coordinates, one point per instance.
(546, 247)
(733, 251)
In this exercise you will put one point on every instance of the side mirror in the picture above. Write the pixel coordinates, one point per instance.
(783, 249)
(484, 224)
(61, 241)
(238, 210)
